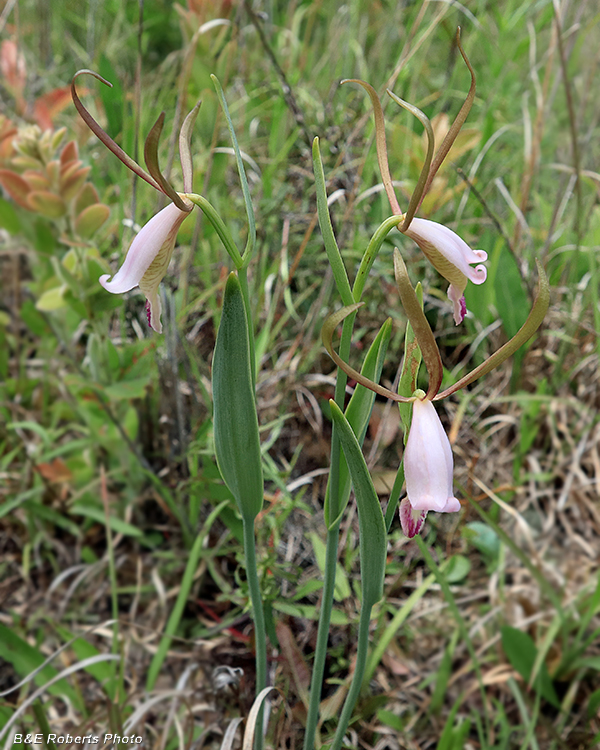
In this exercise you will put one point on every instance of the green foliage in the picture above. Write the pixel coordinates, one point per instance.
(237, 442)
(521, 652)
(94, 408)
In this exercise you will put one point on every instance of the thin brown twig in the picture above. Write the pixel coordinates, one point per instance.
(490, 213)
(288, 94)
(572, 127)
(538, 131)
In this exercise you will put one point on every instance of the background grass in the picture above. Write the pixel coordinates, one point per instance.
(488, 635)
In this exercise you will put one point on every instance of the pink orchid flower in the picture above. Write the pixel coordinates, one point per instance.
(451, 257)
(149, 254)
(428, 467)
(147, 261)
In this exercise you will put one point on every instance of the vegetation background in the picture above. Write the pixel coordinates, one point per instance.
(107, 474)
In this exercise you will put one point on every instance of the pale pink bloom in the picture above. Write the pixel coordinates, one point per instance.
(428, 468)
(451, 257)
(148, 259)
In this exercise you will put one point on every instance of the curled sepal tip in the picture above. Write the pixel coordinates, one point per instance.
(101, 134)
(329, 327)
(459, 121)
(422, 329)
(529, 327)
(382, 155)
(419, 191)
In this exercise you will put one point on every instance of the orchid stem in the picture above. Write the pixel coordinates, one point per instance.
(219, 225)
(362, 648)
(331, 551)
(316, 683)
(260, 634)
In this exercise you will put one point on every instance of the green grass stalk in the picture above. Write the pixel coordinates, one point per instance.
(362, 648)
(260, 633)
(464, 632)
(184, 591)
(331, 550)
(113, 683)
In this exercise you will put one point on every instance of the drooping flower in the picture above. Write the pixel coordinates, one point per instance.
(147, 261)
(150, 252)
(428, 466)
(448, 253)
(451, 257)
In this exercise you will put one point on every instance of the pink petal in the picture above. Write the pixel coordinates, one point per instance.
(143, 250)
(428, 462)
(451, 246)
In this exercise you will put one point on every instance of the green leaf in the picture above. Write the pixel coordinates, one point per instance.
(135, 388)
(251, 242)
(97, 514)
(593, 704)
(237, 441)
(83, 649)
(91, 219)
(443, 675)
(372, 534)
(9, 218)
(331, 248)
(521, 652)
(359, 409)
(511, 297)
(308, 612)
(410, 368)
(484, 538)
(458, 569)
(26, 658)
(33, 320)
(52, 299)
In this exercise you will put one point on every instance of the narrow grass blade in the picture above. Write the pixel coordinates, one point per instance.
(251, 242)
(184, 590)
(331, 248)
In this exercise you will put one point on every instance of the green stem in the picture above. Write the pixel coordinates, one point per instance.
(260, 633)
(115, 693)
(219, 225)
(316, 683)
(332, 514)
(357, 678)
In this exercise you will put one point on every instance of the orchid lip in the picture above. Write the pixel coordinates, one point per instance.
(143, 250)
(451, 246)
